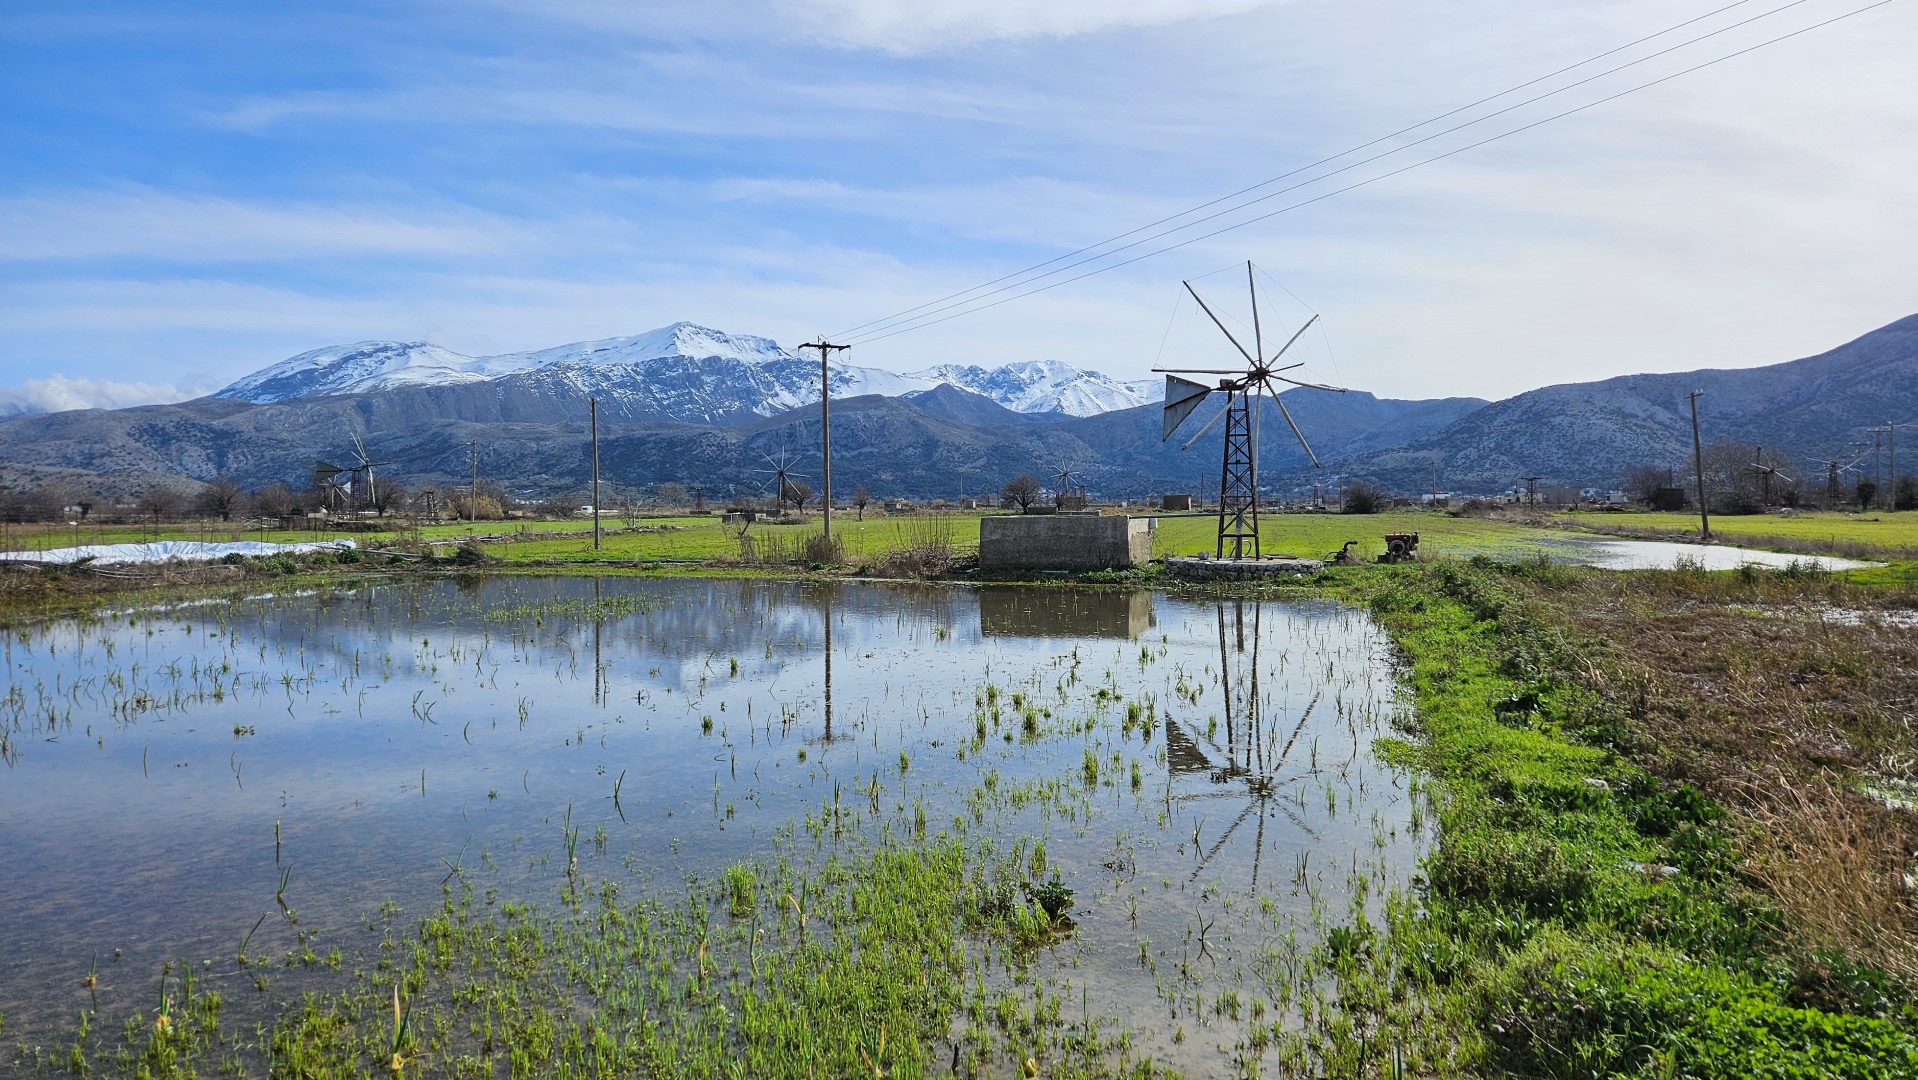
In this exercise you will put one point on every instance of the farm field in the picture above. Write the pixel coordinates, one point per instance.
(1393, 820)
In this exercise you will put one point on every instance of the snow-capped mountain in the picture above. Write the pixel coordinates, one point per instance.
(353, 369)
(683, 371)
(1041, 386)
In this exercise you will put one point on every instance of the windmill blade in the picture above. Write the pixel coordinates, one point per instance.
(1249, 358)
(1197, 435)
(325, 470)
(1292, 340)
(1182, 397)
(1251, 287)
(1783, 477)
(1293, 424)
(1309, 385)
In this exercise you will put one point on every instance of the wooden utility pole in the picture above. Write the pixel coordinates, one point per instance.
(1891, 472)
(593, 403)
(1698, 466)
(825, 427)
(1877, 461)
(472, 493)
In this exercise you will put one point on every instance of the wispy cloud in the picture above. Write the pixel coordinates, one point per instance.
(141, 223)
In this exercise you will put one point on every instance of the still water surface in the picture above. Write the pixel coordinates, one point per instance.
(172, 775)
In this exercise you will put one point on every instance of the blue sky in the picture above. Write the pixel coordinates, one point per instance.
(189, 192)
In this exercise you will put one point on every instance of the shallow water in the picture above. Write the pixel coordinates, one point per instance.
(1663, 555)
(169, 770)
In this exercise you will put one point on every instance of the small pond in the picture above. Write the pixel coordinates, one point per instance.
(178, 778)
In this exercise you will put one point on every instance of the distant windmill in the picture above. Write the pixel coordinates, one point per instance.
(360, 476)
(1244, 390)
(785, 489)
(1765, 473)
(1531, 489)
(1064, 497)
(326, 480)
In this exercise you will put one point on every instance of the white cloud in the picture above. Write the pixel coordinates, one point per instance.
(58, 393)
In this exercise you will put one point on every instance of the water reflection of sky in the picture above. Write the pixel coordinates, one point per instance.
(390, 728)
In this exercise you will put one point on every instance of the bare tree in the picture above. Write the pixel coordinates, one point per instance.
(218, 499)
(860, 497)
(275, 500)
(672, 494)
(385, 493)
(162, 501)
(796, 493)
(1022, 491)
(1641, 481)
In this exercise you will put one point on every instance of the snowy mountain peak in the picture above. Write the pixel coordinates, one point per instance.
(683, 371)
(681, 339)
(346, 369)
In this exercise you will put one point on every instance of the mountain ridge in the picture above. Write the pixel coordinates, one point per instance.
(532, 427)
(683, 371)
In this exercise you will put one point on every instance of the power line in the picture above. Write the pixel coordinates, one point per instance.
(1313, 165)
(922, 322)
(896, 321)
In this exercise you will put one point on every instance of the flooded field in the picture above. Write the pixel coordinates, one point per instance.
(1664, 555)
(263, 799)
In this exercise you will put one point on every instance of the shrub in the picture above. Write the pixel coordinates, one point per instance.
(1363, 498)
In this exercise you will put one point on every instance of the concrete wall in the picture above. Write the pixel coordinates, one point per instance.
(1064, 542)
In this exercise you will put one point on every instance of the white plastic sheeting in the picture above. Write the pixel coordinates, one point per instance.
(164, 551)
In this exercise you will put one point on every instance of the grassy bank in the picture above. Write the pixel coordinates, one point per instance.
(1659, 848)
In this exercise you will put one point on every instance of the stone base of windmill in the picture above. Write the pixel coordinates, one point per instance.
(1207, 568)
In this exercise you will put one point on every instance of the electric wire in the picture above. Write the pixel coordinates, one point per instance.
(1342, 169)
(1302, 168)
(918, 324)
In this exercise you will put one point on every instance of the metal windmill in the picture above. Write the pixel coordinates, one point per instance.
(1766, 472)
(784, 488)
(1063, 496)
(1244, 390)
(1531, 489)
(326, 480)
(360, 476)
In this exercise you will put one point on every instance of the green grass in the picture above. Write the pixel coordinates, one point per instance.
(702, 537)
(1314, 536)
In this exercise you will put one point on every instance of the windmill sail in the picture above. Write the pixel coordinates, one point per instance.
(1181, 397)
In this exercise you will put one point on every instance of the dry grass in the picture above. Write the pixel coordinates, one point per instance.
(1835, 863)
(921, 547)
(1744, 687)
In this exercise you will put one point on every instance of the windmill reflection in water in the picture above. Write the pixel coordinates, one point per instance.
(1254, 766)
